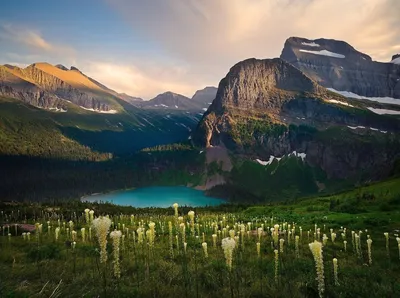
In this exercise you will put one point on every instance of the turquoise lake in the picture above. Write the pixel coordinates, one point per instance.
(157, 196)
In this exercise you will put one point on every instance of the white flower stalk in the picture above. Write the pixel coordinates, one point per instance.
(387, 242)
(324, 240)
(204, 245)
(184, 247)
(232, 234)
(28, 236)
(177, 242)
(183, 232)
(116, 236)
(228, 245)
(132, 218)
(24, 236)
(356, 243)
(191, 217)
(316, 249)
(259, 233)
(333, 237)
(101, 226)
(171, 240)
(83, 234)
(398, 244)
(151, 233)
(214, 238)
(140, 232)
(275, 234)
(91, 216)
(57, 233)
(296, 245)
(258, 246)
(345, 245)
(369, 244)
(281, 242)
(90, 233)
(73, 235)
(71, 225)
(73, 245)
(276, 263)
(87, 215)
(335, 271)
(175, 205)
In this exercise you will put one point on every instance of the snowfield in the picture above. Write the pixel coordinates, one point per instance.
(324, 53)
(310, 44)
(389, 100)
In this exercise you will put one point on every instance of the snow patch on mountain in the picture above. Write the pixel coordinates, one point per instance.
(324, 53)
(99, 111)
(396, 61)
(340, 102)
(388, 100)
(272, 158)
(310, 44)
(384, 111)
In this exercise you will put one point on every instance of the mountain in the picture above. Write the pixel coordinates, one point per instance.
(204, 97)
(336, 64)
(177, 102)
(51, 87)
(130, 99)
(270, 112)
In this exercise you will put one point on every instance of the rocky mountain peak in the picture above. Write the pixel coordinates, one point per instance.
(261, 84)
(336, 64)
(396, 59)
(62, 67)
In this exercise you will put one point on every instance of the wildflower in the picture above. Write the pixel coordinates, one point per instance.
(184, 246)
(324, 239)
(228, 245)
(232, 233)
(24, 236)
(276, 258)
(115, 236)
(140, 235)
(281, 241)
(73, 234)
(87, 215)
(132, 218)
(73, 245)
(204, 245)
(387, 242)
(345, 245)
(191, 217)
(91, 215)
(57, 233)
(316, 249)
(101, 226)
(71, 225)
(151, 233)
(398, 244)
(83, 234)
(296, 244)
(175, 205)
(259, 233)
(369, 243)
(333, 237)
(183, 232)
(335, 271)
(214, 238)
(28, 235)
(171, 240)
(258, 248)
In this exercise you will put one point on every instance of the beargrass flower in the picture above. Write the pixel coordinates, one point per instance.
(316, 249)
(116, 236)
(228, 245)
(101, 226)
(369, 244)
(335, 271)
(204, 245)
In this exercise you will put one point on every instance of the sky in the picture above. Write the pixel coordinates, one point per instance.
(146, 47)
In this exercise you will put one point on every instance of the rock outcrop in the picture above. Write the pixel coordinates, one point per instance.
(336, 64)
(269, 107)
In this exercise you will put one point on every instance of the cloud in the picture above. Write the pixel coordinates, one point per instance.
(143, 79)
(212, 35)
(33, 40)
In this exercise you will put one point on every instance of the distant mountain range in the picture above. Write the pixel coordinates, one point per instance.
(200, 101)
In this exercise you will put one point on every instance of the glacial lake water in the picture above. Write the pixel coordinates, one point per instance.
(157, 196)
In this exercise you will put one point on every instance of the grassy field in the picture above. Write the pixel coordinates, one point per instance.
(161, 252)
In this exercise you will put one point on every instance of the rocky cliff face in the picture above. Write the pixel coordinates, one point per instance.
(336, 64)
(269, 107)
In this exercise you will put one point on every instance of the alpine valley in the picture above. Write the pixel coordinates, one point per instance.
(321, 118)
